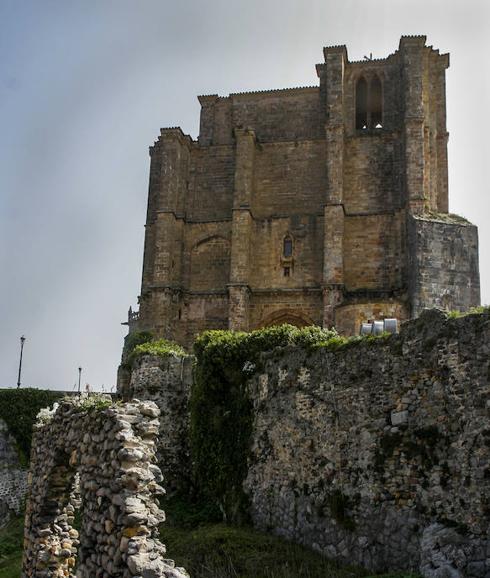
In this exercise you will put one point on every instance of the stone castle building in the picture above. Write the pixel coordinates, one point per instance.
(323, 205)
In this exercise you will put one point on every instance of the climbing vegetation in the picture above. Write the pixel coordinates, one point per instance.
(221, 412)
(19, 408)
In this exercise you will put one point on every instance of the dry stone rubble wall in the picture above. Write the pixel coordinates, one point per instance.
(379, 453)
(13, 477)
(167, 382)
(98, 462)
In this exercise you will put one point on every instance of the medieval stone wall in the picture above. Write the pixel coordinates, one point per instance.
(96, 462)
(167, 382)
(211, 184)
(444, 264)
(13, 477)
(201, 312)
(267, 261)
(379, 453)
(299, 307)
(372, 173)
(373, 256)
(289, 178)
(278, 115)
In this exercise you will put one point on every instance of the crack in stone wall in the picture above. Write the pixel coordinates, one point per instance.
(97, 464)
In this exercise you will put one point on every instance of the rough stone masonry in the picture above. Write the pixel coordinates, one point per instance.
(377, 453)
(97, 464)
(13, 477)
(167, 382)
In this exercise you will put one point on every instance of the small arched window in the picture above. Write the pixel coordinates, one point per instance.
(287, 249)
(376, 103)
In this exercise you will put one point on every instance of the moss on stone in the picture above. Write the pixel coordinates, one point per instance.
(221, 411)
(448, 218)
(481, 309)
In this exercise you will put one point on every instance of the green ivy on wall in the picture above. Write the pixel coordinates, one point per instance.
(221, 411)
(19, 408)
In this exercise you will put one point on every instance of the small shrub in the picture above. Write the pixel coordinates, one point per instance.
(93, 402)
(159, 347)
(134, 339)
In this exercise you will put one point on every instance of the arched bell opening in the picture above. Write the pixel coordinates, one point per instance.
(361, 104)
(376, 103)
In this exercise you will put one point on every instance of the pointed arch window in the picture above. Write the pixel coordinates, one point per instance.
(361, 104)
(369, 103)
(287, 247)
(376, 103)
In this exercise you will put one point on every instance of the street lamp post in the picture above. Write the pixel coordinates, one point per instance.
(22, 339)
(79, 379)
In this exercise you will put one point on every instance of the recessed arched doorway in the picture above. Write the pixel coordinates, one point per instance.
(285, 316)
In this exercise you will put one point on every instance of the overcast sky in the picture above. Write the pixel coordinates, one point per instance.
(84, 88)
